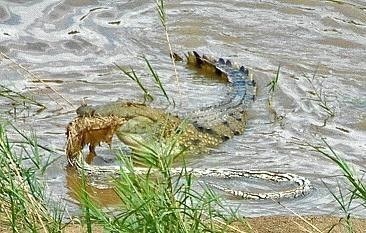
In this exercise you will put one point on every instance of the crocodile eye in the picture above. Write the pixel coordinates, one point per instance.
(209, 130)
(221, 61)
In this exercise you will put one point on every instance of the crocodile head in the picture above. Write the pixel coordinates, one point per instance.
(134, 124)
(85, 111)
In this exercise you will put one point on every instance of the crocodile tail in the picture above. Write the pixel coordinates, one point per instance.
(205, 65)
(176, 57)
(228, 117)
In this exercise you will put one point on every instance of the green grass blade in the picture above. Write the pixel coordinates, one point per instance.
(132, 75)
(157, 80)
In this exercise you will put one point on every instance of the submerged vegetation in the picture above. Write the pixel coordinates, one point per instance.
(272, 87)
(318, 96)
(19, 101)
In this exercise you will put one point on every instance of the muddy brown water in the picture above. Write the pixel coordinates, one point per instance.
(72, 45)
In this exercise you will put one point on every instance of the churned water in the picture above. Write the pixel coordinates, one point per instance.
(71, 45)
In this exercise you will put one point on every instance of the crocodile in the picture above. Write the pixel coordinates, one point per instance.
(207, 127)
(199, 130)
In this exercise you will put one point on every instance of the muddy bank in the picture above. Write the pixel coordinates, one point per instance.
(280, 224)
(290, 224)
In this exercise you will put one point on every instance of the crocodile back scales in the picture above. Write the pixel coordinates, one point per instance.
(227, 117)
(206, 127)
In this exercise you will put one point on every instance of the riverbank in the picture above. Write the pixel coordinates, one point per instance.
(292, 224)
(280, 224)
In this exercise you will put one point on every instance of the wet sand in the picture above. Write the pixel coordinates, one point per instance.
(293, 224)
(280, 224)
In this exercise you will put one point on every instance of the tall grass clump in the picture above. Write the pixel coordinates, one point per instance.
(159, 200)
(23, 203)
(357, 186)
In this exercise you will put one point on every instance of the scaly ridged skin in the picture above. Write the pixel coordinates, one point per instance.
(205, 128)
(143, 121)
(228, 117)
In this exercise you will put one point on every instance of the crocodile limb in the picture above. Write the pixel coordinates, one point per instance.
(205, 128)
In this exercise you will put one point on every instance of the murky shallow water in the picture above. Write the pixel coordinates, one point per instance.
(73, 44)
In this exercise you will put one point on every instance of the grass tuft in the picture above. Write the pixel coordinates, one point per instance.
(158, 81)
(318, 96)
(22, 196)
(274, 82)
(159, 201)
(273, 85)
(357, 189)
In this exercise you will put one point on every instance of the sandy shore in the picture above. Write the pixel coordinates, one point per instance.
(292, 224)
(281, 224)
